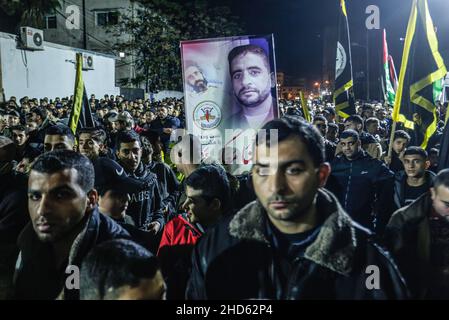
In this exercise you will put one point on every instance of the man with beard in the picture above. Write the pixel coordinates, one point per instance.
(252, 83)
(195, 78)
(295, 241)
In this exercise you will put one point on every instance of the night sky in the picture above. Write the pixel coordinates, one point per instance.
(298, 25)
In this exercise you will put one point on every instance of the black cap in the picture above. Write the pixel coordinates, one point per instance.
(109, 175)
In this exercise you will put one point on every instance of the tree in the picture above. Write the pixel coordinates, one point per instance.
(156, 30)
(153, 43)
(30, 12)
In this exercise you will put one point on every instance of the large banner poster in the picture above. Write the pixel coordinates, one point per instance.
(230, 93)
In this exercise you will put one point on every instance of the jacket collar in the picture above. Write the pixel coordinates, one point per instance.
(28, 241)
(334, 246)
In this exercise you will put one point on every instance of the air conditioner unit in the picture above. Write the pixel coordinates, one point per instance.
(88, 62)
(32, 38)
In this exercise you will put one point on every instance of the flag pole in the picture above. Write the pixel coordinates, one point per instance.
(390, 145)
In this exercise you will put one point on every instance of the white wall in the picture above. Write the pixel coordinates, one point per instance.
(167, 94)
(46, 73)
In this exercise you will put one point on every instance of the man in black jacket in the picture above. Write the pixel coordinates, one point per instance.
(415, 180)
(168, 183)
(418, 237)
(39, 116)
(400, 141)
(295, 241)
(360, 183)
(320, 123)
(65, 225)
(145, 205)
(164, 126)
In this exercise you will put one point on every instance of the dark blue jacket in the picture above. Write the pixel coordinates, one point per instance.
(145, 206)
(359, 186)
(36, 276)
(158, 125)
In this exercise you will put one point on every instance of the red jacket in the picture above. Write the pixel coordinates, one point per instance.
(179, 231)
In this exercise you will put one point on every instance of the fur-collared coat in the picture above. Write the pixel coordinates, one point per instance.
(236, 260)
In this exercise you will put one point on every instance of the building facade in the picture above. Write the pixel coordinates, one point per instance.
(87, 24)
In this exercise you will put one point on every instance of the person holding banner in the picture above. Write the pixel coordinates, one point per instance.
(252, 83)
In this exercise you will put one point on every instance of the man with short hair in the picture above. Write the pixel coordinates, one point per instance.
(59, 137)
(434, 157)
(124, 121)
(320, 123)
(252, 83)
(417, 236)
(372, 126)
(163, 126)
(114, 189)
(400, 141)
(92, 143)
(359, 182)
(332, 132)
(368, 142)
(65, 225)
(415, 180)
(208, 200)
(20, 137)
(136, 274)
(39, 116)
(295, 241)
(330, 115)
(145, 205)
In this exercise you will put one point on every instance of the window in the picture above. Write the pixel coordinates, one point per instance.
(106, 18)
(50, 22)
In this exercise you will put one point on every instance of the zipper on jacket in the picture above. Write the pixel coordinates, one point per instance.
(348, 186)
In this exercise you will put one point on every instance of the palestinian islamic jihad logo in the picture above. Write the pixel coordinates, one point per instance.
(340, 63)
(207, 115)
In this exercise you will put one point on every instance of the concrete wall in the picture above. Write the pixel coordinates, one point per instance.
(49, 73)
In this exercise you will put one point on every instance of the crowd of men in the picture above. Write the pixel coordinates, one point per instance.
(119, 203)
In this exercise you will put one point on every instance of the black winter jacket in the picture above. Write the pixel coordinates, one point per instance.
(168, 183)
(13, 218)
(400, 179)
(36, 276)
(359, 186)
(238, 260)
(408, 237)
(146, 206)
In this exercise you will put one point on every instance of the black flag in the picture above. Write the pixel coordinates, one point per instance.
(344, 92)
(81, 115)
(422, 65)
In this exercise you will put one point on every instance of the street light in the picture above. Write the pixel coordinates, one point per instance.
(318, 86)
